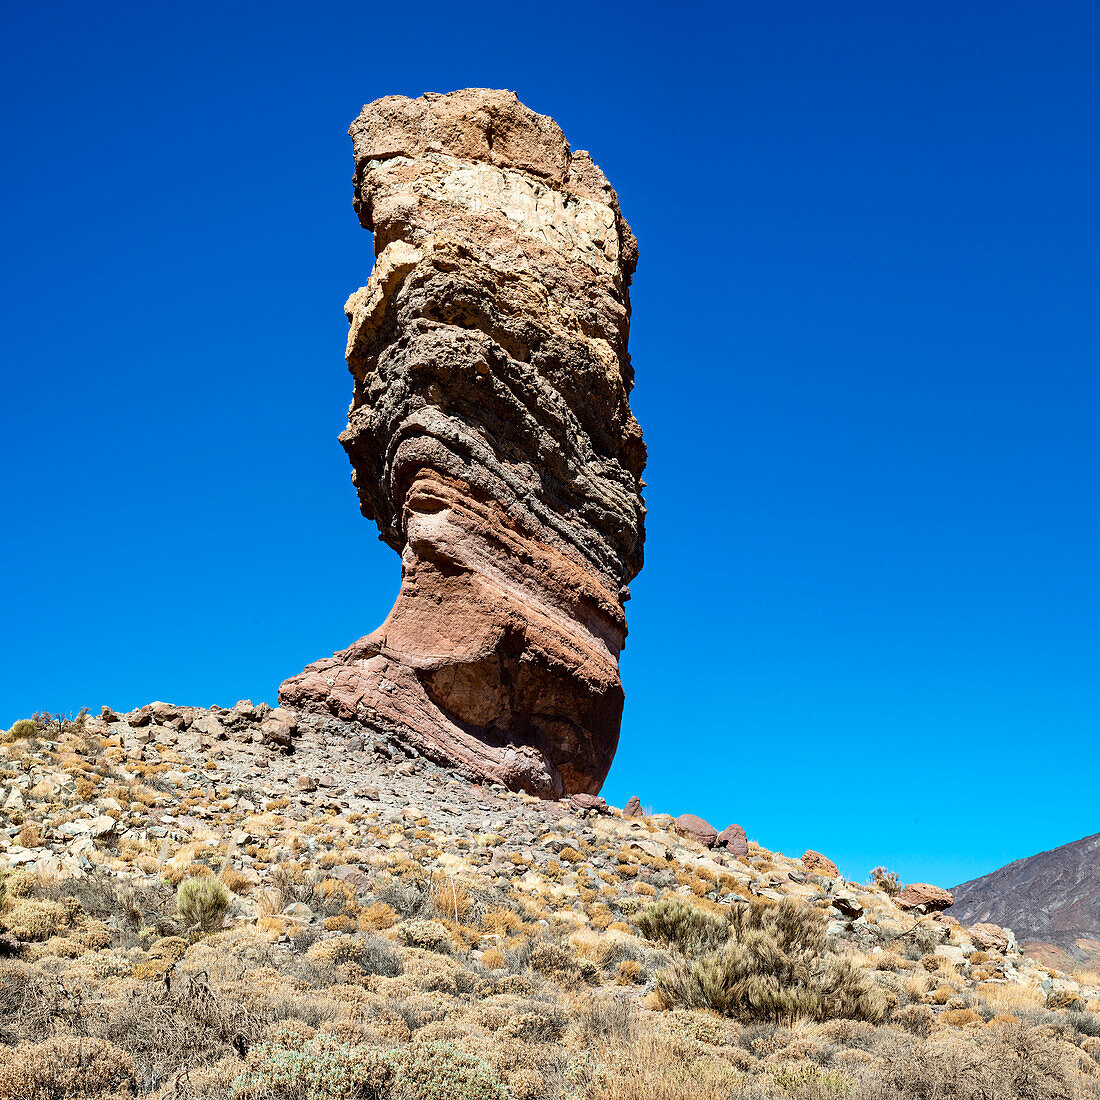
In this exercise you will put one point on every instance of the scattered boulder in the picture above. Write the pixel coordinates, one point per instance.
(849, 905)
(734, 840)
(819, 864)
(633, 807)
(696, 828)
(990, 937)
(581, 803)
(932, 898)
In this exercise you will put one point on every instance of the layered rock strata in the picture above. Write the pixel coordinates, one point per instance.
(492, 442)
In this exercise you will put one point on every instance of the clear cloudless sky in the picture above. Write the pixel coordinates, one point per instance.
(866, 341)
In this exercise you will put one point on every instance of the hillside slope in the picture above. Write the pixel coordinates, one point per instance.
(256, 904)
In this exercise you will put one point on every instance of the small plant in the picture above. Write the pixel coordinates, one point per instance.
(807, 1079)
(886, 881)
(66, 1067)
(318, 1068)
(439, 1070)
(22, 729)
(202, 902)
(33, 919)
(428, 935)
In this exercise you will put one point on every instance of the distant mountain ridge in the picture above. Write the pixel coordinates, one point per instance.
(1050, 898)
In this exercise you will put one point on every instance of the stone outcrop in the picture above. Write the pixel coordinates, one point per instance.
(693, 826)
(819, 864)
(492, 442)
(990, 937)
(934, 899)
(734, 840)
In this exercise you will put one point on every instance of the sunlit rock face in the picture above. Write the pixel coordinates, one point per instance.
(492, 442)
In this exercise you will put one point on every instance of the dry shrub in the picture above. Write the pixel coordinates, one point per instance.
(961, 1017)
(886, 881)
(376, 917)
(656, 1069)
(526, 1083)
(492, 958)
(499, 921)
(66, 1068)
(33, 919)
(339, 924)
(918, 1020)
(451, 899)
(20, 884)
(1005, 1062)
(235, 881)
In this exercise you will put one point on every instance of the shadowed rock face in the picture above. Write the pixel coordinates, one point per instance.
(492, 442)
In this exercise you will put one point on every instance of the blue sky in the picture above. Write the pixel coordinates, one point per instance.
(865, 336)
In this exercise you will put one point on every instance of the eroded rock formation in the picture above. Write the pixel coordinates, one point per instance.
(492, 442)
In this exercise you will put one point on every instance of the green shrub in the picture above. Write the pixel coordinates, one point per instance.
(794, 927)
(438, 1070)
(202, 902)
(674, 922)
(753, 980)
(320, 1068)
(771, 969)
(23, 728)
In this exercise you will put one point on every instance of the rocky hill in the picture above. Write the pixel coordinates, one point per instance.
(268, 905)
(1050, 900)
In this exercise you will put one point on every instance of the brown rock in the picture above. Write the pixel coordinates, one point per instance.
(492, 442)
(734, 840)
(582, 802)
(697, 829)
(932, 898)
(848, 905)
(307, 783)
(989, 937)
(633, 807)
(109, 715)
(819, 864)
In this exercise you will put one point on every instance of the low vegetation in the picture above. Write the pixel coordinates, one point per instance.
(260, 952)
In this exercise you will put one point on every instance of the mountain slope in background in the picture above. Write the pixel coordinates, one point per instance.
(1052, 898)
